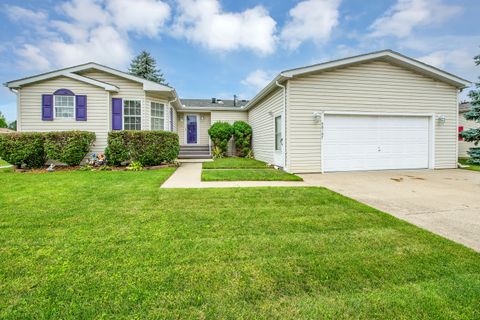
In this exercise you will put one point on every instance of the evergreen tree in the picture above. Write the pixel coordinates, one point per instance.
(145, 66)
(473, 135)
(3, 121)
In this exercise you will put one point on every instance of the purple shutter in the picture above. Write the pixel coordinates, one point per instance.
(47, 107)
(116, 114)
(81, 105)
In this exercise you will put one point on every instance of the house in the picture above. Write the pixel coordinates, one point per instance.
(376, 111)
(464, 124)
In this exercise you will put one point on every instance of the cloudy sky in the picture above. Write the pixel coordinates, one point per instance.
(210, 48)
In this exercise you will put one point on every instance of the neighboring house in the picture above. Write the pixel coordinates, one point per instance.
(463, 125)
(376, 111)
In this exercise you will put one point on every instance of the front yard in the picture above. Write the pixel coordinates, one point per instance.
(115, 245)
(243, 169)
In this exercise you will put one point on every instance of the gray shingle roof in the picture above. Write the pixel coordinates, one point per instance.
(464, 107)
(207, 103)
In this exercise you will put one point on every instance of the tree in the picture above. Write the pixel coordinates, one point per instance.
(473, 135)
(13, 125)
(145, 66)
(3, 121)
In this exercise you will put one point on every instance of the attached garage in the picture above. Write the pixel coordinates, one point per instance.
(376, 142)
(377, 111)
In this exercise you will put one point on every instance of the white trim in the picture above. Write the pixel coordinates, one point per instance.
(142, 125)
(322, 157)
(74, 108)
(185, 127)
(458, 125)
(152, 117)
(431, 124)
(91, 81)
(282, 139)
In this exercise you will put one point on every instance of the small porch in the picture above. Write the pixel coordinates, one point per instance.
(193, 135)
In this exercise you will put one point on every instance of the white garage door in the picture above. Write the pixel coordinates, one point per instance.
(375, 142)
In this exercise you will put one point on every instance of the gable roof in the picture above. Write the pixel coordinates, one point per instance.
(384, 55)
(71, 72)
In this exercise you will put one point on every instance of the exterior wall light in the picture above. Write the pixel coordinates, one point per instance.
(317, 116)
(441, 119)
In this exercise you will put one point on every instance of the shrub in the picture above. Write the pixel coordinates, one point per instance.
(149, 148)
(69, 147)
(23, 149)
(221, 133)
(242, 132)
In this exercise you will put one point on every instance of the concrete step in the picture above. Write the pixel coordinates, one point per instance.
(194, 156)
(194, 148)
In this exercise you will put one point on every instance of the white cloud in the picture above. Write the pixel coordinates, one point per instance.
(142, 16)
(258, 79)
(405, 15)
(91, 30)
(16, 13)
(311, 20)
(204, 22)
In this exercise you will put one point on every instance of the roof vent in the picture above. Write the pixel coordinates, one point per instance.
(220, 101)
(214, 100)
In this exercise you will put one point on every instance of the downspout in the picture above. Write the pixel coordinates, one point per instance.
(284, 124)
(19, 125)
(170, 105)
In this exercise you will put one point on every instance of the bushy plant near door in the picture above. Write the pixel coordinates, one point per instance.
(220, 133)
(242, 134)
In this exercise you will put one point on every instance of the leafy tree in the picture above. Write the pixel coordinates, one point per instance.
(145, 66)
(13, 125)
(473, 135)
(3, 121)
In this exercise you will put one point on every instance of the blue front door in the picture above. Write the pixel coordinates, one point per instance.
(191, 129)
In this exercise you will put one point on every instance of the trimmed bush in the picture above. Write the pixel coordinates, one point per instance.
(242, 132)
(149, 148)
(68, 147)
(221, 133)
(23, 149)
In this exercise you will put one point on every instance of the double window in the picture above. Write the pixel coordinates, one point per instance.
(157, 113)
(64, 106)
(132, 114)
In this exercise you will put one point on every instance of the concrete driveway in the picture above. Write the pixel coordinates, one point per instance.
(446, 202)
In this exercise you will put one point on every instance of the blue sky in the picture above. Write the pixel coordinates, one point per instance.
(213, 48)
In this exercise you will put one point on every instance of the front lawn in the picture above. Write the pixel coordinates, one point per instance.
(82, 245)
(248, 175)
(3, 163)
(234, 163)
(472, 167)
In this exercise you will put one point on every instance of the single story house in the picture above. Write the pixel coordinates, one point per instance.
(464, 124)
(375, 111)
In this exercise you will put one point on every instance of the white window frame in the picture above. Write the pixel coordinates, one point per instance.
(123, 113)
(155, 117)
(55, 107)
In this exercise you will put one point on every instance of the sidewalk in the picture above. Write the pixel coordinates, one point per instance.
(188, 175)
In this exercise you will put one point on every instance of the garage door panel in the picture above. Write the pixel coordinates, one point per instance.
(375, 142)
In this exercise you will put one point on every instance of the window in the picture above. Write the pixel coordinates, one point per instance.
(158, 116)
(278, 133)
(132, 114)
(64, 106)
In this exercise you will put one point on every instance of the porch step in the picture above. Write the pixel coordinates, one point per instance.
(194, 152)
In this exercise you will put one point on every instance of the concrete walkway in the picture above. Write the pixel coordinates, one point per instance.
(188, 175)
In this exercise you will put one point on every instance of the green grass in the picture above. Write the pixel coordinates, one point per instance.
(234, 163)
(4, 163)
(114, 245)
(248, 175)
(472, 167)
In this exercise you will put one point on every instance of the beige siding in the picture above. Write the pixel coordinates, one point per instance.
(30, 98)
(204, 125)
(370, 87)
(262, 124)
(463, 146)
(230, 117)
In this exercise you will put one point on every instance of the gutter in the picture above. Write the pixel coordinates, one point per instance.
(284, 123)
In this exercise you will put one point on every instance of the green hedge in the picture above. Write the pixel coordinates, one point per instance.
(221, 133)
(23, 149)
(68, 147)
(150, 148)
(242, 132)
